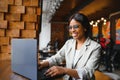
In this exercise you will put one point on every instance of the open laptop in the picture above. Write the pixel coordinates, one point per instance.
(24, 57)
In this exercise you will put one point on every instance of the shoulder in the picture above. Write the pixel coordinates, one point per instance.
(93, 43)
(69, 41)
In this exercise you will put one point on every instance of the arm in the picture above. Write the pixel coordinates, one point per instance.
(58, 58)
(55, 59)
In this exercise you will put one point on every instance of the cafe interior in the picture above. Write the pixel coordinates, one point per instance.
(46, 21)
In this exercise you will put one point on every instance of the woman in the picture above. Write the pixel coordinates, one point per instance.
(80, 53)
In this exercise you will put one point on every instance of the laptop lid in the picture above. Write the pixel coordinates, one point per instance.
(24, 57)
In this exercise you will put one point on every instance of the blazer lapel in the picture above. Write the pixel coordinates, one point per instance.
(72, 52)
(82, 52)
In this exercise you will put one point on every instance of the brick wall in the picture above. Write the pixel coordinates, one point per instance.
(18, 19)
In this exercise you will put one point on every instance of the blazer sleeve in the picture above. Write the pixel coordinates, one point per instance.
(60, 55)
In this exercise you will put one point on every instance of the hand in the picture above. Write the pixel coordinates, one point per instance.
(55, 70)
(40, 65)
(43, 64)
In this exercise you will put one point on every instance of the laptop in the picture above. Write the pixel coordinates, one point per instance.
(24, 60)
(24, 57)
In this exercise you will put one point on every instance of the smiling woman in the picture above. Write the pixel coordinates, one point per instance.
(81, 53)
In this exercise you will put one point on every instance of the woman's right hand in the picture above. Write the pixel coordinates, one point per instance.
(43, 64)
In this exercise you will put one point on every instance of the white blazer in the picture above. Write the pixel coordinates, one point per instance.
(87, 61)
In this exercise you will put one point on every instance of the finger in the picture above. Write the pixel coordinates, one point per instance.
(49, 70)
(53, 74)
(49, 73)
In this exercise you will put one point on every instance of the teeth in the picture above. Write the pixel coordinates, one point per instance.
(74, 34)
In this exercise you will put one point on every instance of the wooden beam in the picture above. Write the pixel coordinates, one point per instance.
(78, 8)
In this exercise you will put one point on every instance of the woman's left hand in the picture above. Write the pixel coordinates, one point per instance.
(55, 70)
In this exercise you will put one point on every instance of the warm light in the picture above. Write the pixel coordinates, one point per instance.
(104, 23)
(102, 18)
(98, 21)
(105, 20)
(95, 24)
(91, 23)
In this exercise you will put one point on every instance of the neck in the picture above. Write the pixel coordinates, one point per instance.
(80, 42)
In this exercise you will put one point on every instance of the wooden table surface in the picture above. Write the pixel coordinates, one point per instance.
(6, 72)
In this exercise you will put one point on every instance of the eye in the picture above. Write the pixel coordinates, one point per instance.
(76, 26)
(69, 27)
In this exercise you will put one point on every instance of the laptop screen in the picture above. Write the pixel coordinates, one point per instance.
(24, 57)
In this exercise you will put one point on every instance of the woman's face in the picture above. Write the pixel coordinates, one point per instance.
(76, 30)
